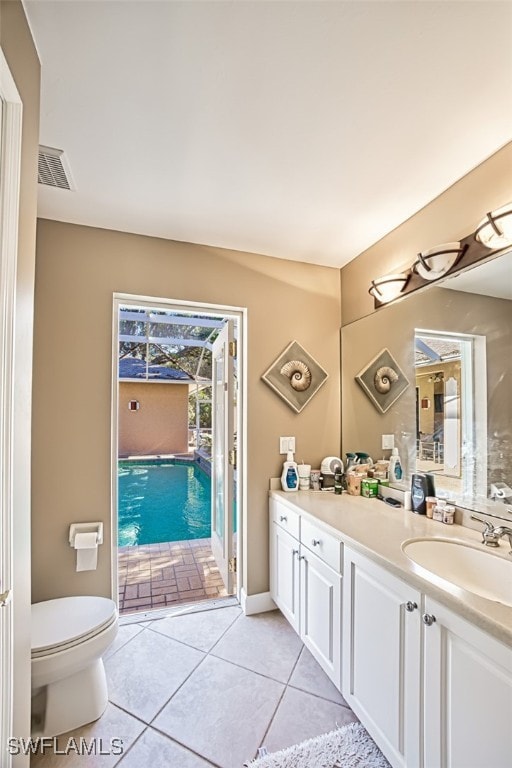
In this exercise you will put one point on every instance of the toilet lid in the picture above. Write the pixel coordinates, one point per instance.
(69, 620)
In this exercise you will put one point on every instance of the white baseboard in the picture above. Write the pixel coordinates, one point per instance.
(259, 603)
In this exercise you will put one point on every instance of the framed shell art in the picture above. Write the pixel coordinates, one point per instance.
(295, 376)
(383, 380)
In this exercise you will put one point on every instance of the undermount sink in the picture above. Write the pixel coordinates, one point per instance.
(472, 568)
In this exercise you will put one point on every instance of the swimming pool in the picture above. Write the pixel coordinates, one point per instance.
(162, 501)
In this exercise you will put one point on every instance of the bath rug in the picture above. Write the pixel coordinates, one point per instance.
(347, 747)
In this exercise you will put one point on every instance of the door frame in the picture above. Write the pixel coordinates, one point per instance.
(240, 315)
(472, 399)
(10, 161)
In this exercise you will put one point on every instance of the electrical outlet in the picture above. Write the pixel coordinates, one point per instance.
(286, 444)
(388, 442)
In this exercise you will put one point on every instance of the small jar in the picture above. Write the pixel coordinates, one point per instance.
(430, 501)
(448, 514)
(315, 479)
(438, 510)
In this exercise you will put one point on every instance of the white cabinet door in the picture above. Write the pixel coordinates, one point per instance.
(320, 614)
(284, 573)
(381, 657)
(468, 694)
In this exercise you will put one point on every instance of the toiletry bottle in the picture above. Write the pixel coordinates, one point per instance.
(395, 467)
(338, 481)
(290, 474)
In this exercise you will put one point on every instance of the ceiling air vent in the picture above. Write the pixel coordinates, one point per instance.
(53, 168)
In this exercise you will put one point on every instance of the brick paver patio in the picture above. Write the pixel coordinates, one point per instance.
(157, 575)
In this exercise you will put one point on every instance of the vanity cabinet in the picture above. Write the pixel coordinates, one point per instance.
(305, 586)
(381, 657)
(320, 613)
(284, 573)
(430, 688)
(468, 693)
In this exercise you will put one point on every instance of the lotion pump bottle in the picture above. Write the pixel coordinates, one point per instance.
(395, 467)
(290, 474)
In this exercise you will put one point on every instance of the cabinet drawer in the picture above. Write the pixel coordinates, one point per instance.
(285, 517)
(325, 546)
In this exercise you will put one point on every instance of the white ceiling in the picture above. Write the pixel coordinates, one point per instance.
(303, 130)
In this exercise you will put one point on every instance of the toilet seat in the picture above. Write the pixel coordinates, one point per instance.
(66, 622)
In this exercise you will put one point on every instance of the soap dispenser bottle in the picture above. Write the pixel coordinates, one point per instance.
(395, 467)
(290, 474)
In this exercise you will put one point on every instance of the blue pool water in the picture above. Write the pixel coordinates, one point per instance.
(162, 501)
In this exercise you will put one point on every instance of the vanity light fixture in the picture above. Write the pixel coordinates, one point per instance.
(388, 287)
(437, 261)
(495, 231)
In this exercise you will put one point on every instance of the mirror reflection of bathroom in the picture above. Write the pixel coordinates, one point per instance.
(451, 410)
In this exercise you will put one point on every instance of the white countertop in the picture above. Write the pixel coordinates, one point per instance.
(377, 530)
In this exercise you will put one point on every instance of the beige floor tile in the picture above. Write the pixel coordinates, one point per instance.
(221, 712)
(264, 643)
(153, 750)
(201, 630)
(309, 676)
(144, 673)
(301, 716)
(114, 724)
(125, 633)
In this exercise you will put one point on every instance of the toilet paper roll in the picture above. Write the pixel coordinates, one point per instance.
(86, 545)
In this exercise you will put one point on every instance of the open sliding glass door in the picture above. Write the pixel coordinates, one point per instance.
(224, 456)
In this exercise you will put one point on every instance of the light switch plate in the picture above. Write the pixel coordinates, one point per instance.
(388, 442)
(286, 444)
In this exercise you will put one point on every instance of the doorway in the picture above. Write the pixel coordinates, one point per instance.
(450, 389)
(178, 452)
(14, 589)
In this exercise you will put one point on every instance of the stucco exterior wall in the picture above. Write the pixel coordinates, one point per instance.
(160, 425)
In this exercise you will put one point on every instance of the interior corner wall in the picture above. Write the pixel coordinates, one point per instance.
(21, 56)
(77, 271)
(453, 215)
(160, 425)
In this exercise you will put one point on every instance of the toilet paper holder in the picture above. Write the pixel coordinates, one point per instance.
(75, 528)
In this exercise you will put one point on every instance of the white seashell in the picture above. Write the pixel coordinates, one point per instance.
(298, 373)
(384, 379)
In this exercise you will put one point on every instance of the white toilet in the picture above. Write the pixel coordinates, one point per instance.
(69, 637)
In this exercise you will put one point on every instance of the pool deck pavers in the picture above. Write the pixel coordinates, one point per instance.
(158, 575)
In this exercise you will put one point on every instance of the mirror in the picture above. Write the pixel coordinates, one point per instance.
(453, 342)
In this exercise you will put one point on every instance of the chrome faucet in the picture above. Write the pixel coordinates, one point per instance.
(491, 536)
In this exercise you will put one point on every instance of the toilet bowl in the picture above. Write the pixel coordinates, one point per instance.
(69, 637)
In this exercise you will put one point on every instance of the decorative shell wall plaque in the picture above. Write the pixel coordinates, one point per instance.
(295, 376)
(383, 380)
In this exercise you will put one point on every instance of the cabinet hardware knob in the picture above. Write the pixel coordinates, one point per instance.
(283, 518)
(428, 619)
(302, 557)
(316, 542)
(410, 606)
(295, 552)
(5, 598)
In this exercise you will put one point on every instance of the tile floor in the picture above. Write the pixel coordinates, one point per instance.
(207, 689)
(158, 575)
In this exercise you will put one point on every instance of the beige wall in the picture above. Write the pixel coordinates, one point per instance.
(78, 269)
(18, 48)
(451, 216)
(160, 426)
